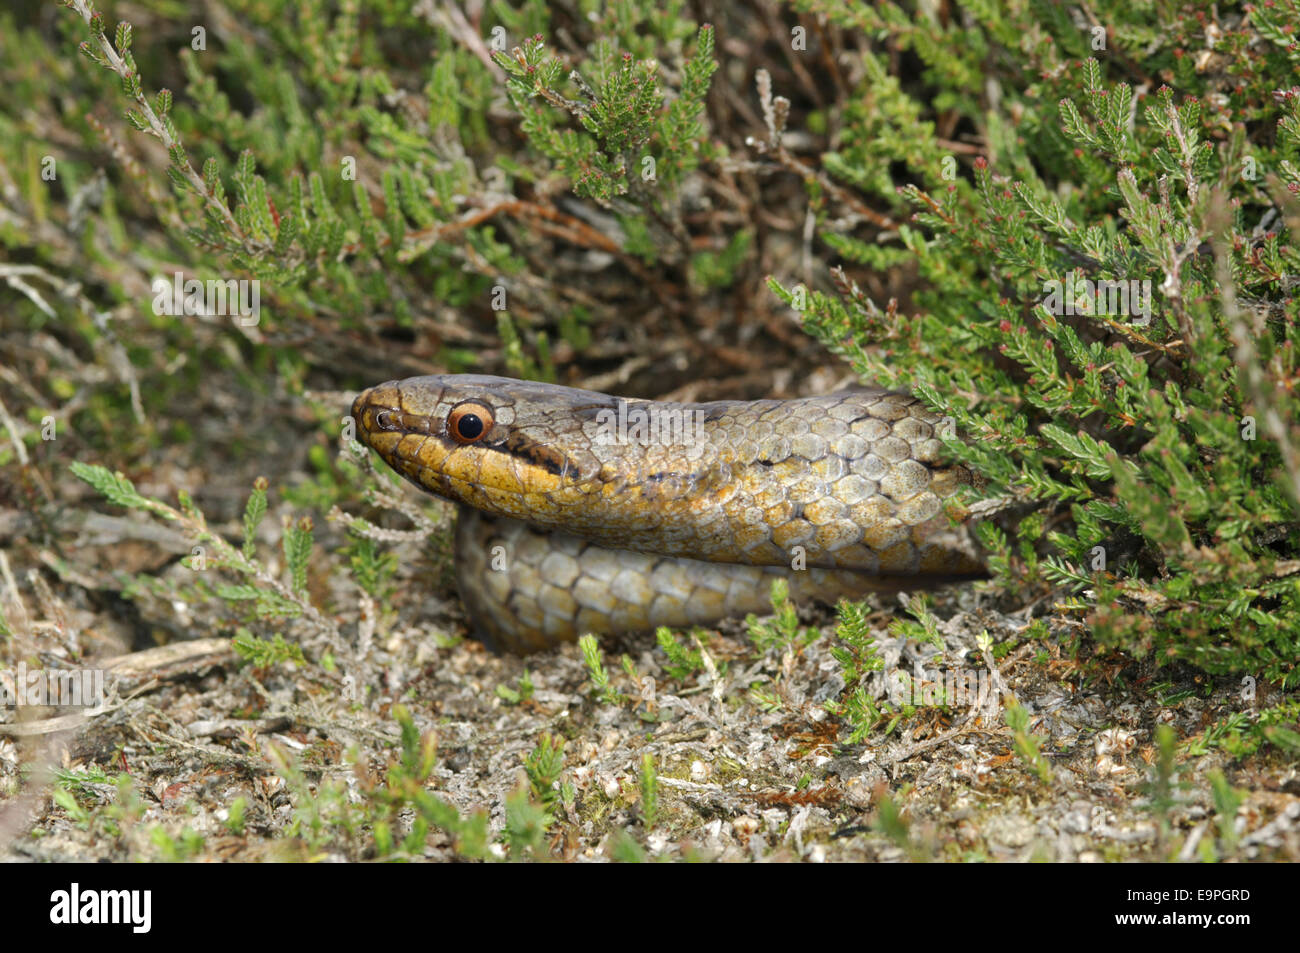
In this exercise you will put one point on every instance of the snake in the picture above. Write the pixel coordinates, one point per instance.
(585, 513)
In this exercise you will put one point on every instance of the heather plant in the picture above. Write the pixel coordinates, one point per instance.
(1105, 305)
(1070, 234)
(1069, 229)
(365, 198)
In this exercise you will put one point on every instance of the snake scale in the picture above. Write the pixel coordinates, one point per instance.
(586, 513)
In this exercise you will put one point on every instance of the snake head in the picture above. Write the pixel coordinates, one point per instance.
(500, 445)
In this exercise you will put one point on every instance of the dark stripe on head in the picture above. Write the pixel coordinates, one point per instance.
(519, 444)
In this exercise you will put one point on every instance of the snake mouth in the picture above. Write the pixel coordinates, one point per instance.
(370, 403)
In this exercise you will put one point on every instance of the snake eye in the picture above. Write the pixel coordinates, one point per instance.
(469, 421)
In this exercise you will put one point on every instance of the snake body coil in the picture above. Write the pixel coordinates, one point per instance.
(582, 512)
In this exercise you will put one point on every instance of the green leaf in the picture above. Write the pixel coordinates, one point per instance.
(115, 487)
(254, 510)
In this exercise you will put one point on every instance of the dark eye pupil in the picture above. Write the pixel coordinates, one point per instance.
(470, 427)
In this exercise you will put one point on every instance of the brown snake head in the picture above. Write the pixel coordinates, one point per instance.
(499, 445)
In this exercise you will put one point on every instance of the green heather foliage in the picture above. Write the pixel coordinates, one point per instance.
(1161, 448)
(416, 191)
